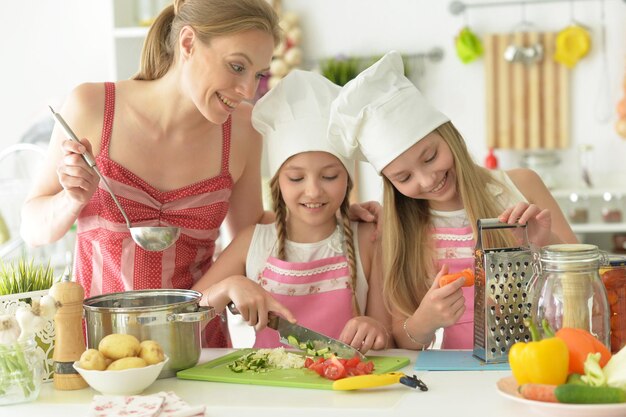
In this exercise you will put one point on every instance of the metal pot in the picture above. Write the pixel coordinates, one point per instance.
(171, 317)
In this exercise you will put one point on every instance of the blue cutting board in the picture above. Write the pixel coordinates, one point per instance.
(454, 360)
(217, 371)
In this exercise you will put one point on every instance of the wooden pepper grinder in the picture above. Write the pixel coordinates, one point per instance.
(69, 342)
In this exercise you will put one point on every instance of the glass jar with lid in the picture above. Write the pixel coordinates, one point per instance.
(568, 291)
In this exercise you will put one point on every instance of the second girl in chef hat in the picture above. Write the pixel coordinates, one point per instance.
(313, 264)
(433, 195)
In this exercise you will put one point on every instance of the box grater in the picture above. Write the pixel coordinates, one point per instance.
(501, 297)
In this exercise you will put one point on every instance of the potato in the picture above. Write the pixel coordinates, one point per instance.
(93, 359)
(151, 352)
(117, 346)
(126, 363)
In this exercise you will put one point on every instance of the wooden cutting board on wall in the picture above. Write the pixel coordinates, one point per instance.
(527, 104)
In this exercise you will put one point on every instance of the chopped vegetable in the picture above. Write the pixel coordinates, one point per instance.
(335, 368)
(264, 359)
(309, 347)
(468, 274)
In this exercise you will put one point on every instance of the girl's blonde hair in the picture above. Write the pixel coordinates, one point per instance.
(209, 19)
(408, 254)
(280, 209)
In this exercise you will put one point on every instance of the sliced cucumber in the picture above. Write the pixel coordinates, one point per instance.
(293, 341)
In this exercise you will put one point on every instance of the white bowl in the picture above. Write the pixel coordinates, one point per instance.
(125, 382)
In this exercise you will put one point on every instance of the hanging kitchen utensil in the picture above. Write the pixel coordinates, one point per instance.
(572, 43)
(150, 238)
(602, 105)
(468, 46)
(519, 50)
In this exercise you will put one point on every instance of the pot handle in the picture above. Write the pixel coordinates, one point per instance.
(203, 314)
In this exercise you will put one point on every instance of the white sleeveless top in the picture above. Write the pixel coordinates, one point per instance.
(505, 197)
(264, 244)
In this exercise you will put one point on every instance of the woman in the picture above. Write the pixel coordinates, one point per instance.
(175, 143)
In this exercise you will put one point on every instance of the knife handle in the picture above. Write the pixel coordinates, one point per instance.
(272, 319)
(367, 381)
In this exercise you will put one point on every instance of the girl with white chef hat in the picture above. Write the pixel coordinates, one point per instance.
(433, 195)
(313, 260)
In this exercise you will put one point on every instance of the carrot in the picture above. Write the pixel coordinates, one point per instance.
(580, 343)
(538, 392)
(468, 274)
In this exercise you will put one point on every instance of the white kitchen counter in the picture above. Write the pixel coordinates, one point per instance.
(450, 394)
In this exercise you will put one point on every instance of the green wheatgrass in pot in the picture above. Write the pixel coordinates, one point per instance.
(21, 276)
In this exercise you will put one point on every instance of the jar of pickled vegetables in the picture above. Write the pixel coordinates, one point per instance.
(614, 280)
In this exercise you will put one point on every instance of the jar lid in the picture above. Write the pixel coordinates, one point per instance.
(576, 252)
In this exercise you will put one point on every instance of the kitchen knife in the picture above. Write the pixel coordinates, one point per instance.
(311, 338)
(306, 336)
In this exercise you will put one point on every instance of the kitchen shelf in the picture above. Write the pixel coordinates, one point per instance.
(564, 193)
(598, 227)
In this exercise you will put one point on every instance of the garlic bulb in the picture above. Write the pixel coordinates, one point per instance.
(33, 319)
(47, 307)
(9, 330)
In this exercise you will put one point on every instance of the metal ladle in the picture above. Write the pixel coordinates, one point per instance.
(150, 238)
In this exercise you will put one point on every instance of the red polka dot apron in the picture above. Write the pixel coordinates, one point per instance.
(318, 293)
(108, 260)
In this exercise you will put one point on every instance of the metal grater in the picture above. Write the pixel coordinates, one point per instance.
(501, 298)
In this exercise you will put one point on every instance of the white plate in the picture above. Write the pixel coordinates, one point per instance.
(507, 387)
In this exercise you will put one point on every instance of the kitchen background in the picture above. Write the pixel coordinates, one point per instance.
(49, 47)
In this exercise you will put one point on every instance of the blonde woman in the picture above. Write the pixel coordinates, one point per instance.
(313, 264)
(433, 195)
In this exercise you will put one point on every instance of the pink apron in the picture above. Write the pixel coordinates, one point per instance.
(461, 334)
(318, 293)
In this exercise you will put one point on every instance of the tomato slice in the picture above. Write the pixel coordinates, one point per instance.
(351, 363)
(334, 369)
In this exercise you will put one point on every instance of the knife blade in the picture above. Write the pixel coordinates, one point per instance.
(310, 337)
(307, 336)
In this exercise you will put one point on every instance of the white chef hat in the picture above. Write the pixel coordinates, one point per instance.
(380, 114)
(293, 118)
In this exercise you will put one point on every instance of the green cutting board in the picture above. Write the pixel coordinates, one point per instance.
(217, 371)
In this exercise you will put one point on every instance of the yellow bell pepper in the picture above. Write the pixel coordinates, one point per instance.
(540, 361)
